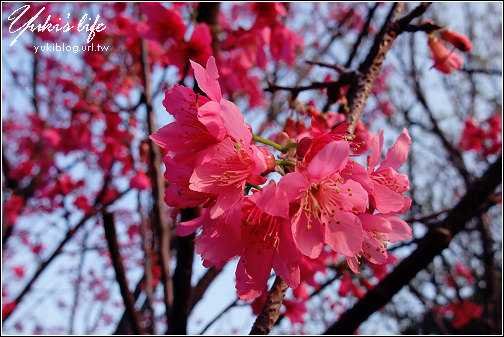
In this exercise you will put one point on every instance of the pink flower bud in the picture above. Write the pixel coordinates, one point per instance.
(303, 146)
(269, 158)
(444, 59)
(459, 41)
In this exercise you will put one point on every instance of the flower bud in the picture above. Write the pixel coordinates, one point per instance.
(444, 59)
(269, 158)
(459, 41)
(303, 146)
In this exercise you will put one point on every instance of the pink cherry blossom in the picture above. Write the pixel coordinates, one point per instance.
(163, 23)
(224, 170)
(444, 59)
(140, 181)
(323, 203)
(284, 44)
(268, 243)
(187, 135)
(219, 114)
(378, 230)
(178, 194)
(199, 48)
(294, 310)
(388, 184)
(219, 240)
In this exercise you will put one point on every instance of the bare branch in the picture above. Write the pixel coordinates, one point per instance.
(115, 255)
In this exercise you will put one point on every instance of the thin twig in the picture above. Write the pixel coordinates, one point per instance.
(160, 217)
(203, 284)
(219, 315)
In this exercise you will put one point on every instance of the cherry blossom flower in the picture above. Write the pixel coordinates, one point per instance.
(485, 139)
(163, 23)
(388, 184)
(472, 137)
(219, 240)
(323, 203)
(463, 312)
(268, 243)
(294, 310)
(187, 135)
(225, 169)
(444, 59)
(198, 48)
(219, 115)
(284, 44)
(378, 230)
(257, 228)
(177, 193)
(140, 181)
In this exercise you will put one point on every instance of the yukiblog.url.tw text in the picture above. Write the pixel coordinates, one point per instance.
(62, 47)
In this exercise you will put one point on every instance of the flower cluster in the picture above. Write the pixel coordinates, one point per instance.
(326, 197)
(484, 138)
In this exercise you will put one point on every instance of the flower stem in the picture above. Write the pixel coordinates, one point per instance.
(249, 185)
(285, 163)
(289, 145)
(267, 142)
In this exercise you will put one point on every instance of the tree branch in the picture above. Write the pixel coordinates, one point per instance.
(370, 68)
(160, 217)
(199, 290)
(115, 255)
(271, 309)
(433, 243)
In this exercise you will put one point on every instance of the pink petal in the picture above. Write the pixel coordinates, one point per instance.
(292, 184)
(258, 261)
(209, 115)
(247, 288)
(234, 122)
(290, 276)
(272, 201)
(140, 181)
(344, 233)
(400, 228)
(407, 205)
(287, 260)
(376, 149)
(308, 241)
(352, 197)
(386, 200)
(332, 158)
(207, 79)
(182, 197)
(226, 200)
(188, 227)
(358, 173)
(375, 222)
(164, 137)
(179, 101)
(259, 158)
(397, 154)
(218, 243)
(373, 249)
(353, 263)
